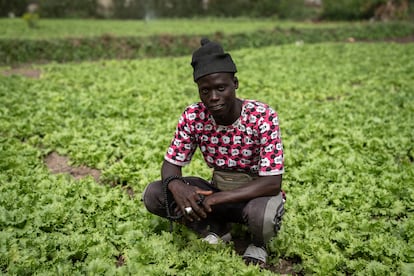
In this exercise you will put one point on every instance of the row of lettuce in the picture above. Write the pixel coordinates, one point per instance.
(16, 51)
(346, 120)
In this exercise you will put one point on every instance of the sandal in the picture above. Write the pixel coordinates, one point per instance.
(255, 255)
(213, 238)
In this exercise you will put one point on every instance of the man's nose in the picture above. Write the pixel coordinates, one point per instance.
(214, 95)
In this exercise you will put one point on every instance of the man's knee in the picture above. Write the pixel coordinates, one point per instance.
(264, 216)
(273, 215)
(152, 197)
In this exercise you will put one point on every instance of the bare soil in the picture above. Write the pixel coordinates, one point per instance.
(60, 164)
(23, 71)
(400, 40)
(403, 40)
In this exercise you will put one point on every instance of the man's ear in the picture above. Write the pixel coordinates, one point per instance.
(236, 83)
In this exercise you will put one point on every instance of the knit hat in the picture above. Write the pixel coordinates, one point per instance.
(210, 58)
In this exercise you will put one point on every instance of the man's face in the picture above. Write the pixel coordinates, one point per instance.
(218, 93)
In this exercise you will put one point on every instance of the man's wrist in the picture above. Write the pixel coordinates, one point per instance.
(174, 183)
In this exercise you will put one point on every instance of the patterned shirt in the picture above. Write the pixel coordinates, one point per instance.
(251, 144)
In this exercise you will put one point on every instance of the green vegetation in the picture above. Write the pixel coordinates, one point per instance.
(80, 28)
(358, 9)
(346, 118)
(31, 19)
(79, 40)
(282, 9)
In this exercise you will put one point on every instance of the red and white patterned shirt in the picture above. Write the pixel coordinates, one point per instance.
(251, 144)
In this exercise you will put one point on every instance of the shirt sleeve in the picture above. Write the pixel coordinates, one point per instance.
(271, 151)
(183, 145)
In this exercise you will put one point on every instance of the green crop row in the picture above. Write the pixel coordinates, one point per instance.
(346, 120)
(111, 46)
(77, 28)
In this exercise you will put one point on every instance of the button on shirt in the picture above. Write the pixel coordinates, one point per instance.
(251, 144)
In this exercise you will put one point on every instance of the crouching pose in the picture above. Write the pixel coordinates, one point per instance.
(240, 139)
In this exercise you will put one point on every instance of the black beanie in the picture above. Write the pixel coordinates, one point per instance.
(210, 58)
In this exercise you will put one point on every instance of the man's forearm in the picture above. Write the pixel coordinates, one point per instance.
(168, 170)
(262, 186)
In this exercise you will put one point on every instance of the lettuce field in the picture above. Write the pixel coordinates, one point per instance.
(347, 118)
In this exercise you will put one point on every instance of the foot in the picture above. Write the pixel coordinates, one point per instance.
(255, 255)
(213, 238)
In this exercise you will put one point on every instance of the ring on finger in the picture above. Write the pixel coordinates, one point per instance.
(188, 210)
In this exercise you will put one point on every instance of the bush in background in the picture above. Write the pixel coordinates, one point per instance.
(142, 9)
(68, 8)
(147, 9)
(51, 8)
(31, 19)
(13, 8)
(349, 9)
(297, 9)
(17, 51)
(284, 9)
(365, 9)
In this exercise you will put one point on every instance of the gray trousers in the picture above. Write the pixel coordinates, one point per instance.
(262, 215)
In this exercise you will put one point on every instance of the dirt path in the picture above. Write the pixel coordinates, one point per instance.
(25, 71)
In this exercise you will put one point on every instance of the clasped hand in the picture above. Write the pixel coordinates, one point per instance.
(191, 201)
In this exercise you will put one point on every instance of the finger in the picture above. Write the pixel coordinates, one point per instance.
(198, 212)
(206, 206)
(204, 192)
(199, 198)
(184, 210)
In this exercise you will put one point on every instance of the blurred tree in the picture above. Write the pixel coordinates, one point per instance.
(284, 9)
(348, 9)
(397, 9)
(68, 8)
(131, 9)
(365, 9)
(264, 8)
(13, 8)
(296, 9)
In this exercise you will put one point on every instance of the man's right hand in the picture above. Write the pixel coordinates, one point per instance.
(189, 196)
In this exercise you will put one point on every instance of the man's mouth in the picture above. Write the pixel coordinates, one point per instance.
(216, 107)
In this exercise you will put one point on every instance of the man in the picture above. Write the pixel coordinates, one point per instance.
(239, 139)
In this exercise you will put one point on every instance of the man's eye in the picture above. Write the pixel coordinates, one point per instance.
(204, 91)
(221, 88)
